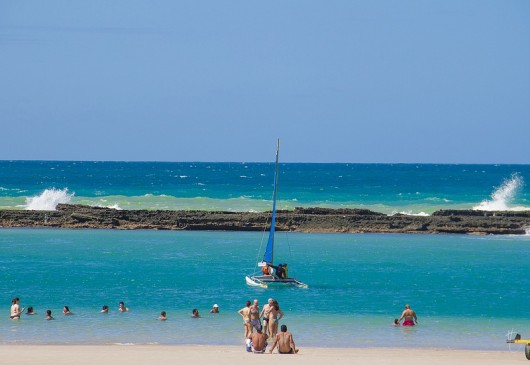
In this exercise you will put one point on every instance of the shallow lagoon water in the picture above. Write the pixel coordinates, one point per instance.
(468, 291)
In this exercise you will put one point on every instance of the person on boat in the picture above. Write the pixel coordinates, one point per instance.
(49, 315)
(122, 307)
(278, 272)
(163, 316)
(195, 313)
(66, 311)
(15, 309)
(254, 315)
(265, 315)
(266, 269)
(409, 316)
(257, 342)
(286, 271)
(215, 309)
(285, 342)
(245, 313)
(275, 315)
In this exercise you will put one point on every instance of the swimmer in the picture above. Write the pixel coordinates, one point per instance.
(122, 307)
(215, 309)
(49, 315)
(163, 316)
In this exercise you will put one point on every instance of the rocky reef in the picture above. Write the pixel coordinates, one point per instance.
(298, 220)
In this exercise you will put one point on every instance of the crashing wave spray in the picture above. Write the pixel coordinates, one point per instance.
(49, 199)
(503, 195)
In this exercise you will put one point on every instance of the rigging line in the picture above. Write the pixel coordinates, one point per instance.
(261, 242)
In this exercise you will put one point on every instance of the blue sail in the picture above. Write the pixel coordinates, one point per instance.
(269, 250)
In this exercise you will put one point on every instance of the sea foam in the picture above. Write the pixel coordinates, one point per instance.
(49, 199)
(503, 196)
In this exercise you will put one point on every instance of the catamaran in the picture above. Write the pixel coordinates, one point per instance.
(265, 276)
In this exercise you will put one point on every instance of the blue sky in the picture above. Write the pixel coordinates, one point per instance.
(337, 81)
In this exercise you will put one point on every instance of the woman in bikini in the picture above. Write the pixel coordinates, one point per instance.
(275, 315)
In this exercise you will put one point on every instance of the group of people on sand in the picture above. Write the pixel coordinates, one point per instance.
(270, 314)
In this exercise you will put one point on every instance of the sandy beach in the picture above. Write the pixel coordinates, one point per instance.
(232, 355)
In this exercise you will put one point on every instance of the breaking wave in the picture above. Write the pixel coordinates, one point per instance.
(503, 196)
(49, 199)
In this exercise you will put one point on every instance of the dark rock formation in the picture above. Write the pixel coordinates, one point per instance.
(299, 220)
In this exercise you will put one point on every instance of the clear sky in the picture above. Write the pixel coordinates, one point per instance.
(210, 80)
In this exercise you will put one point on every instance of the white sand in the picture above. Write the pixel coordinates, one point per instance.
(231, 355)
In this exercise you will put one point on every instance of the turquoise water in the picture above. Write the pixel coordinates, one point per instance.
(468, 291)
(387, 188)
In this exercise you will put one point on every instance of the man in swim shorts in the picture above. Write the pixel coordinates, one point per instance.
(285, 342)
(254, 315)
(409, 317)
(257, 342)
(265, 314)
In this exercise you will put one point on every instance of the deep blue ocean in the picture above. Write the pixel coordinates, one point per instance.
(468, 291)
(387, 188)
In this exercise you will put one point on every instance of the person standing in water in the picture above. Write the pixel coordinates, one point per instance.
(15, 309)
(245, 313)
(275, 315)
(254, 315)
(265, 315)
(409, 317)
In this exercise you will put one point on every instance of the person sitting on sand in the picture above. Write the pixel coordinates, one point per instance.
(285, 342)
(30, 311)
(215, 309)
(195, 313)
(122, 307)
(66, 311)
(163, 316)
(409, 317)
(15, 309)
(49, 315)
(105, 309)
(257, 342)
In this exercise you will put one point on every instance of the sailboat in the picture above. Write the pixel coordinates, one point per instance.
(265, 277)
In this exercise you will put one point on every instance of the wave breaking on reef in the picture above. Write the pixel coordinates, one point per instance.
(49, 199)
(503, 196)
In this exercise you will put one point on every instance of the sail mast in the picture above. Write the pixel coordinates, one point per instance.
(269, 251)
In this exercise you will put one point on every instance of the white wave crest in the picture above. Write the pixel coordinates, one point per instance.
(49, 199)
(411, 213)
(503, 196)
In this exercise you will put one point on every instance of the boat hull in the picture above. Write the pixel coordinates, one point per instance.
(264, 281)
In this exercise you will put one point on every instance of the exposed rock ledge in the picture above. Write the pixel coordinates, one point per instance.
(299, 220)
